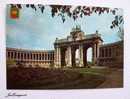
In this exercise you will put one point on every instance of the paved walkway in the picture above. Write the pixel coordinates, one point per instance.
(99, 67)
(113, 80)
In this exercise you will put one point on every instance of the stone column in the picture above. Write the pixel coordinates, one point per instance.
(29, 56)
(13, 55)
(19, 55)
(23, 56)
(40, 56)
(47, 56)
(37, 54)
(16, 55)
(32, 56)
(94, 53)
(57, 60)
(51, 56)
(59, 57)
(55, 57)
(97, 50)
(97, 53)
(44, 56)
(69, 58)
(100, 53)
(81, 55)
(9, 55)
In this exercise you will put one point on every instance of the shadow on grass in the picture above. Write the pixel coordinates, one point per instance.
(43, 78)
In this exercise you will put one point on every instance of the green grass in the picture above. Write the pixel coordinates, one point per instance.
(76, 78)
(94, 71)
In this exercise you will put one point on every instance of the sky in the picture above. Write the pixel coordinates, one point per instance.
(38, 31)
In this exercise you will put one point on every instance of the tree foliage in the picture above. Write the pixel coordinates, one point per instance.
(118, 23)
(66, 10)
(78, 12)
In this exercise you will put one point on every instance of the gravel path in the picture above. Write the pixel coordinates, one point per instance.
(113, 80)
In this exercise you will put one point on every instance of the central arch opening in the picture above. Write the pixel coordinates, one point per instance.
(89, 56)
(77, 57)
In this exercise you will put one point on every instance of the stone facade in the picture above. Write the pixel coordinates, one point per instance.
(65, 52)
(30, 58)
(111, 54)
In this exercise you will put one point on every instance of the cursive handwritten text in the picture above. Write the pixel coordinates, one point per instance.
(10, 94)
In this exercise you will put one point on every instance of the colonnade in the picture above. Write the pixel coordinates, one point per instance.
(30, 55)
(106, 52)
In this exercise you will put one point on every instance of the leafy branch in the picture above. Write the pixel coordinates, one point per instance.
(78, 12)
(118, 23)
(66, 10)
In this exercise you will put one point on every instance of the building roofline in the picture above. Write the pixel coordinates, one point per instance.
(32, 50)
(87, 37)
(110, 44)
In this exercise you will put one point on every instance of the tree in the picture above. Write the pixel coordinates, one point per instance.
(118, 23)
(65, 10)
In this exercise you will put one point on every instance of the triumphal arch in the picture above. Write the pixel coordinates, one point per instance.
(65, 52)
(65, 48)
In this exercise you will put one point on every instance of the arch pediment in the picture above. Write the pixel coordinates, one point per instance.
(76, 33)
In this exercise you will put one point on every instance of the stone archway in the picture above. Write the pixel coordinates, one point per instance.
(65, 49)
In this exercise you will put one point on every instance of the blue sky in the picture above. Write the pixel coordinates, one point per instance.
(36, 30)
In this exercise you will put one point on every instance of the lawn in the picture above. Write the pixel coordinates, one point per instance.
(43, 78)
(94, 71)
